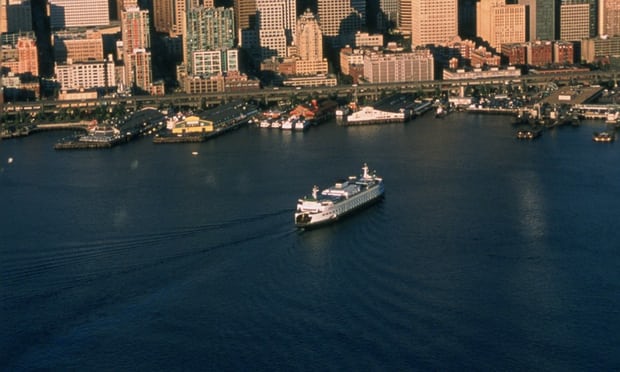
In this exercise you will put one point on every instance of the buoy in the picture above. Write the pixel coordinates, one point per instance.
(10, 160)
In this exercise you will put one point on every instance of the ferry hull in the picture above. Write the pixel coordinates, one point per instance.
(316, 223)
(307, 220)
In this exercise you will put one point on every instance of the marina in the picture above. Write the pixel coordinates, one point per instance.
(193, 127)
(208, 124)
(299, 118)
(397, 108)
(112, 133)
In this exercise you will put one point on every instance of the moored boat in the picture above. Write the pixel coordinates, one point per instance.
(302, 124)
(289, 123)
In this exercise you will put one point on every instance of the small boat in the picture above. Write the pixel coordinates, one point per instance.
(440, 112)
(302, 124)
(194, 153)
(289, 123)
(603, 137)
(343, 111)
(529, 133)
(613, 117)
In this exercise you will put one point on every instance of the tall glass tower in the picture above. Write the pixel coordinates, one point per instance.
(542, 21)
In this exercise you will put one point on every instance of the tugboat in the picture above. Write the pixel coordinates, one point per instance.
(342, 198)
(603, 137)
(529, 133)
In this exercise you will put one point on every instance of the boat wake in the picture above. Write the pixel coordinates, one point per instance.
(61, 267)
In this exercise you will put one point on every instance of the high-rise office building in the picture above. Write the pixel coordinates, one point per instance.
(276, 26)
(138, 71)
(22, 57)
(541, 23)
(593, 15)
(574, 22)
(359, 6)
(135, 31)
(277, 14)
(309, 43)
(404, 19)
(78, 46)
(164, 15)
(136, 52)
(78, 13)
(339, 21)
(499, 23)
(609, 20)
(169, 16)
(388, 15)
(417, 65)
(15, 16)
(467, 18)
(308, 37)
(245, 13)
(207, 63)
(85, 75)
(208, 29)
(433, 21)
(246, 24)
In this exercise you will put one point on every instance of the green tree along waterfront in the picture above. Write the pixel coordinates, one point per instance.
(24, 113)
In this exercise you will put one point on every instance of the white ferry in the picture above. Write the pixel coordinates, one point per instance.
(338, 200)
(370, 115)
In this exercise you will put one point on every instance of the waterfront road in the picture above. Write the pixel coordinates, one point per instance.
(276, 94)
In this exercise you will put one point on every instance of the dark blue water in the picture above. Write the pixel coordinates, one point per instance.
(487, 252)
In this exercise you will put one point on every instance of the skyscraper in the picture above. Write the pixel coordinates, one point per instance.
(404, 20)
(499, 23)
(136, 52)
(339, 20)
(208, 29)
(593, 22)
(15, 16)
(308, 37)
(542, 18)
(78, 13)
(433, 21)
(276, 26)
(609, 17)
(164, 15)
(245, 16)
(467, 18)
(574, 22)
(309, 43)
(388, 14)
(135, 31)
(78, 46)
(21, 58)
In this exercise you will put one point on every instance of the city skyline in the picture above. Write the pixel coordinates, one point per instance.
(259, 35)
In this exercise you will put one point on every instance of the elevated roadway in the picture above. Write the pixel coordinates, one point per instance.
(271, 95)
